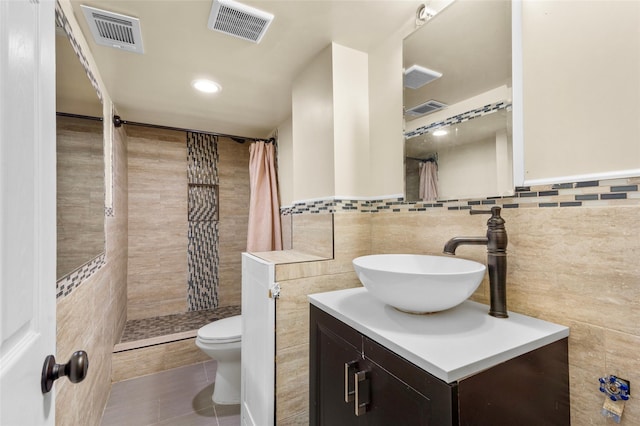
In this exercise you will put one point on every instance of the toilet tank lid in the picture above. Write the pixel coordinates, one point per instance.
(224, 329)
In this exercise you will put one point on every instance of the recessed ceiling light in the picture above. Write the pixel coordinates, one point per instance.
(440, 132)
(206, 86)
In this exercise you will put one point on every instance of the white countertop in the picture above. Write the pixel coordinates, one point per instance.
(450, 345)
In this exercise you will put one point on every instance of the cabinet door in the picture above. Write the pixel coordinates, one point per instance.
(392, 390)
(403, 394)
(335, 355)
(392, 401)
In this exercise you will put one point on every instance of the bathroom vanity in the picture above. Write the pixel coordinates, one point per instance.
(373, 365)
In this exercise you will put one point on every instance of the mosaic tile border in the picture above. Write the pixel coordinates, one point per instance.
(611, 192)
(67, 284)
(460, 118)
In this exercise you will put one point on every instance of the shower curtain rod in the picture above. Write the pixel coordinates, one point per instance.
(118, 122)
(430, 159)
(84, 117)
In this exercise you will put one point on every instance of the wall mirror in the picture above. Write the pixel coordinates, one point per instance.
(80, 162)
(458, 126)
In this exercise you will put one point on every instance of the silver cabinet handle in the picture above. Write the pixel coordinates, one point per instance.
(362, 391)
(349, 391)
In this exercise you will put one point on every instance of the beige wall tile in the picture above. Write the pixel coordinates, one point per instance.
(292, 308)
(157, 185)
(80, 173)
(585, 399)
(153, 359)
(574, 266)
(313, 234)
(352, 238)
(92, 317)
(623, 361)
(233, 172)
(292, 379)
(292, 340)
(297, 419)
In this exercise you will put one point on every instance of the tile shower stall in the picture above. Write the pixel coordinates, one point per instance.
(188, 210)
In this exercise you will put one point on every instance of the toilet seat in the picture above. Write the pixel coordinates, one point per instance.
(227, 330)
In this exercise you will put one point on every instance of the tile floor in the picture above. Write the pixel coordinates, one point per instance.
(177, 397)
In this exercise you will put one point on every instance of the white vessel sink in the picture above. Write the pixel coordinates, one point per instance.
(419, 283)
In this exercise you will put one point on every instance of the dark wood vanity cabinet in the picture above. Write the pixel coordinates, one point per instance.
(355, 381)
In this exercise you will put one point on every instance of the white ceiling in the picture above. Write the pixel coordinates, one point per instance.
(256, 79)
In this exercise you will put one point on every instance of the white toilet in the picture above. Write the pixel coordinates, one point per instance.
(221, 340)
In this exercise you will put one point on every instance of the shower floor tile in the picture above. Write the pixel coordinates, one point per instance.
(149, 328)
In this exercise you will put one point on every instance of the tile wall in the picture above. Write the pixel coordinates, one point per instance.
(157, 272)
(92, 316)
(573, 259)
(80, 203)
(171, 215)
(233, 190)
(166, 198)
(297, 280)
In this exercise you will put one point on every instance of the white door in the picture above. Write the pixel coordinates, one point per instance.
(257, 405)
(27, 209)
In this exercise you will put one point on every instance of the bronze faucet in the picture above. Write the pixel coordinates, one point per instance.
(496, 242)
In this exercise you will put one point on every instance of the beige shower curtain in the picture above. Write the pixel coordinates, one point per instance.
(264, 233)
(428, 181)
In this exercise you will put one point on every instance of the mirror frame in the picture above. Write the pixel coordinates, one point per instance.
(517, 102)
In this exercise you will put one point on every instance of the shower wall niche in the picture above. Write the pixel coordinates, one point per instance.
(188, 213)
(202, 252)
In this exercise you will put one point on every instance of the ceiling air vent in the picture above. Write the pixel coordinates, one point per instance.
(114, 30)
(416, 76)
(239, 20)
(425, 108)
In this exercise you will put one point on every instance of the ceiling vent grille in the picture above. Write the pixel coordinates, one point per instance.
(239, 20)
(114, 30)
(425, 108)
(417, 76)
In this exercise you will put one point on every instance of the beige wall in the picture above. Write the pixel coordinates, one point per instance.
(285, 162)
(581, 87)
(573, 266)
(386, 145)
(350, 122)
(312, 124)
(157, 278)
(570, 77)
(79, 192)
(233, 173)
(467, 171)
(92, 316)
(296, 281)
(336, 143)
(157, 272)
